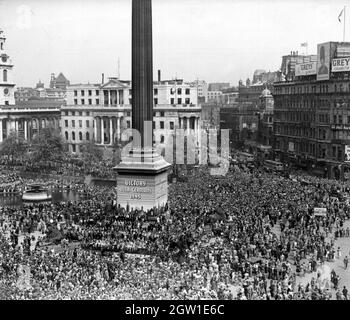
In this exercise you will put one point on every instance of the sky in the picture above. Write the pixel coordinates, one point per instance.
(211, 40)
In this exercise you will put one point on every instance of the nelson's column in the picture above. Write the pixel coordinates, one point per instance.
(142, 179)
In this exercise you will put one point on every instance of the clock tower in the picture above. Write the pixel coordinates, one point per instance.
(7, 87)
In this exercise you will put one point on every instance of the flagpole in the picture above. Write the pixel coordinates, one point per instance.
(344, 26)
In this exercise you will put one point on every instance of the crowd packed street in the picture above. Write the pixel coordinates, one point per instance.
(247, 236)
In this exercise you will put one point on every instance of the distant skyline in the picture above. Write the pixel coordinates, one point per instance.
(213, 40)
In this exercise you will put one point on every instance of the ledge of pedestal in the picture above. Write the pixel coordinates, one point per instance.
(142, 161)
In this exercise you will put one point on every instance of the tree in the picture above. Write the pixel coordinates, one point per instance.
(13, 147)
(47, 145)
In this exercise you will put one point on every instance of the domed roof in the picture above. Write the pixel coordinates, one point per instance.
(266, 93)
(259, 72)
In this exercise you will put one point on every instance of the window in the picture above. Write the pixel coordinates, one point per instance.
(90, 92)
(87, 123)
(66, 135)
(128, 124)
(66, 123)
(73, 135)
(334, 119)
(155, 92)
(171, 125)
(6, 103)
(87, 136)
(88, 113)
(162, 113)
(80, 123)
(179, 101)
(4, 75)
(73, 147)
(66, 113)
(179, 91)
(97, 102)
(161, 139)
(73, 113)
(75, 93)
(172, 101)
(340, 154)
(73, 123)
(128, 114)
(340, 119)
(90, 102)
(334, 152)
(82, 101)
(187, 91)
(82, 93)
(75, 101)
(161, 123)
(154, 125)
(97, 92)
(80, 113)
(155, 101)
(187, 100)
(80, 136)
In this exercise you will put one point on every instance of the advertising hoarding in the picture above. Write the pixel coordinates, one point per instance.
(341, 64)
(347, 153)
(320, 212)
(323, 61)
(305, 69)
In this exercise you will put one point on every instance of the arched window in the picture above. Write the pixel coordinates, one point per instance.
(73, 135)
(87, 136)
(66, 135)
(80, 136)
(161, 139)
(4, 75)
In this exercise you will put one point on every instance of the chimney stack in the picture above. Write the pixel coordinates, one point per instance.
(103, 78)
(159, 77)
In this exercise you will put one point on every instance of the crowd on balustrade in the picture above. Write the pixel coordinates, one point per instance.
(240, 236)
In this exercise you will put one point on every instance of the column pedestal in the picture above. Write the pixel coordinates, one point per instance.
(142, 180)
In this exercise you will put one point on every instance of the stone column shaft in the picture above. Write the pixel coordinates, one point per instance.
(142, 67)
(110, 131)
(102, 132)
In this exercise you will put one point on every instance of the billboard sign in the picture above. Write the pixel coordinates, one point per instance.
(343, 50)
(347, 153)
(323, 61)
(320, 212)
(341, 64)
(305, 69)
(291, 146)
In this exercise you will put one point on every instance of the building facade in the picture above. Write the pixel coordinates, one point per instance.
(312, 114)
(25, 117)
(102, 112)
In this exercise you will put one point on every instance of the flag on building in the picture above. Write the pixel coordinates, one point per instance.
(340, 15)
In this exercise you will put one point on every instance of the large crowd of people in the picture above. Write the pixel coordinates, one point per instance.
(248, 235)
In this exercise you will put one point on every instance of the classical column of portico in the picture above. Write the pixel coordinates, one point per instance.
(118, 128)
(110, 131)
(8, 126)
(16, 126)
(102, 132)
(95, 130)
(25, 129)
